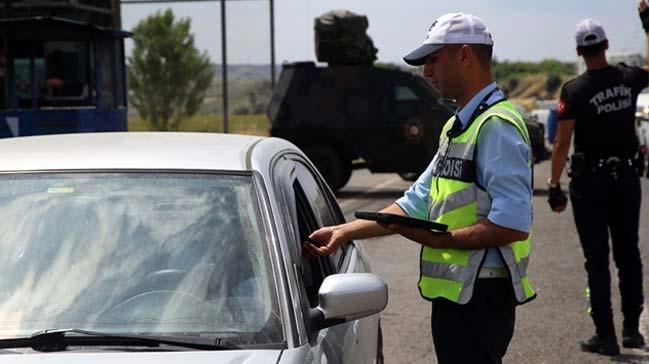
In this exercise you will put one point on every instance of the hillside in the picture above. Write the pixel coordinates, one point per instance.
(248, 90)
(527, 82)
(249, 85)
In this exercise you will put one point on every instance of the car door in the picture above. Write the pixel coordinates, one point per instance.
(351, 259)
(351, 342)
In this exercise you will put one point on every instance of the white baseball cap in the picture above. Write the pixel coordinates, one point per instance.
(589, 32)
(452, 28)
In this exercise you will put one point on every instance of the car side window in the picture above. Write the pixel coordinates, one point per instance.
(406, 103)
(404, 93)
(314, 269)
(317, 199)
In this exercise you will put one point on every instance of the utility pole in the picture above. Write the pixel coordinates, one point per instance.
(224, 67)
(272, 43)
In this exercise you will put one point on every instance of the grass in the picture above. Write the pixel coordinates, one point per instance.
(212, 123)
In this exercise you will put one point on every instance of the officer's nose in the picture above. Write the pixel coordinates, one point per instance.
(428, 72)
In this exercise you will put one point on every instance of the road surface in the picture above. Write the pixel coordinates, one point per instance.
(547, 329)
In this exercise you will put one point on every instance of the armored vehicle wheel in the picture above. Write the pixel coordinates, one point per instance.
(409, 176)
(335, 170)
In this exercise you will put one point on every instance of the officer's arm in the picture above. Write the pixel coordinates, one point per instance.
(414, 203)
(483, 234)
(646, 65)
(329, 238)
(643, 9)
(561, 148)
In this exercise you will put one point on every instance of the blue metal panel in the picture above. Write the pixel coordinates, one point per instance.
(37, 122)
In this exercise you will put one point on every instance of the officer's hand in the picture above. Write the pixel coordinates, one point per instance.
(643, 9)
(557, 198)
(323, 241)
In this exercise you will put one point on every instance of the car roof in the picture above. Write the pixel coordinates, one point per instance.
(133, 150)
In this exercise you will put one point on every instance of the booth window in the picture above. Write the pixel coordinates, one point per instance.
(66, 74)
(55, 73)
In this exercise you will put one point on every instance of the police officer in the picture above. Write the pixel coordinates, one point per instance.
(479, 184)
(599, 106)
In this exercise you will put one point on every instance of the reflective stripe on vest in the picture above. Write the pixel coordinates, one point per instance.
(456, 200)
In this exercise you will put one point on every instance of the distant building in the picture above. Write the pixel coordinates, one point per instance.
(631, 59)
(62, 67)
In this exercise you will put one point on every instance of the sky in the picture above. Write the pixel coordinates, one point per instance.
(522, 29)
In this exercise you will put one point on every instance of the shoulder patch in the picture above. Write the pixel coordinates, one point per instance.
(561, 106)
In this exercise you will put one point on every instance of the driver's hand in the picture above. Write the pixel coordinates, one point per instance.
(323, 241)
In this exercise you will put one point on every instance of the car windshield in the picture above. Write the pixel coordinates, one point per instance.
(155, 253)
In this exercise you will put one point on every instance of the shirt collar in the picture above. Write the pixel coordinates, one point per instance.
(467, 111)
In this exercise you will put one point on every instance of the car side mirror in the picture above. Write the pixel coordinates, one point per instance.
(346, 297)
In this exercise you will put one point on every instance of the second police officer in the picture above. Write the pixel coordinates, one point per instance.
(599, 107)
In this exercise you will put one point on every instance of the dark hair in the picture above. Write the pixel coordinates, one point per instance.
(483, 52)
(592, 50)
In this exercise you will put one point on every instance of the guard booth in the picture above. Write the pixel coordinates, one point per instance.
(61, 67)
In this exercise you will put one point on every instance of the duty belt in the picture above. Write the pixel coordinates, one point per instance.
(614, 160)
(611, 165)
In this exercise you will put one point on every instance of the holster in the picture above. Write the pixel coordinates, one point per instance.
(578, 165)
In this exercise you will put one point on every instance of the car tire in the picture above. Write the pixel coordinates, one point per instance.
(335, 170)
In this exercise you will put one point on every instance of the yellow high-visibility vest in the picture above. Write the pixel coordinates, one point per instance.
(456, 200)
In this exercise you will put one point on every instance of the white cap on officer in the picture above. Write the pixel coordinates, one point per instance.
(589, 32)
(452, 28)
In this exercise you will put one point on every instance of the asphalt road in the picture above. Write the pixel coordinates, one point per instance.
(547, 329)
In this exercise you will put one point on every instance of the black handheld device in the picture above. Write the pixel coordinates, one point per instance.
(403, 220)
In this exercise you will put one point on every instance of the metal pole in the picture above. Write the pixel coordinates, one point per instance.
(272, 43)
(224, 68)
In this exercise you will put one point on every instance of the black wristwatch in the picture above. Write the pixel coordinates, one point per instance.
(553, 185)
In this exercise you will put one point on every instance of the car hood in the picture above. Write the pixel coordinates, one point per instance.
(105, 357)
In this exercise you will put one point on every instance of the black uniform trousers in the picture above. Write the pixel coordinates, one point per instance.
(607, 200)
(479, 331)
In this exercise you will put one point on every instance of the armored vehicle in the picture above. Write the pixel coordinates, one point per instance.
(349, 117)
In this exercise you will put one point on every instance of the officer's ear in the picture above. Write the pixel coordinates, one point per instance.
(465, 55)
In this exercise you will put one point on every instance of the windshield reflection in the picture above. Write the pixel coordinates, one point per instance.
(154, 253)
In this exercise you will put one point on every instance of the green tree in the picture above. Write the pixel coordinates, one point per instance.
(168, 76)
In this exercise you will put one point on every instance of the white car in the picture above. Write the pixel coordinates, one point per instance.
(175, 248)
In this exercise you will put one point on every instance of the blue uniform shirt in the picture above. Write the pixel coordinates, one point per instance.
(502, 169)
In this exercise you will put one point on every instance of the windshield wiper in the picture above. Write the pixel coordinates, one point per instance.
(59, 340)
